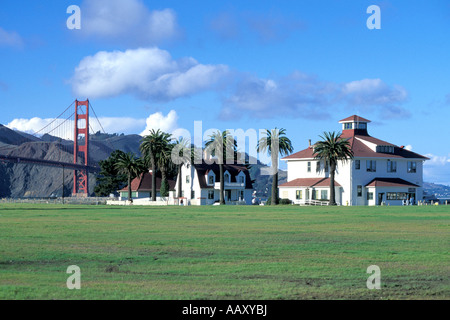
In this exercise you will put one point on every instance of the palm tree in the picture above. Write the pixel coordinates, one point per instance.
(130, 165)
(333, 148)
(275, 142)
(164, 163)
(224, 147)
(151, 146)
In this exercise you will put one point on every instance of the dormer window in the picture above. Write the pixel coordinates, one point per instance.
(211, 179)
(385, 149)
(227, 177)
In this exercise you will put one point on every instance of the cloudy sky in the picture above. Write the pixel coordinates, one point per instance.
(300, 65)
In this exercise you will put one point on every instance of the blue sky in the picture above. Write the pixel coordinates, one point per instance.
(299, 65)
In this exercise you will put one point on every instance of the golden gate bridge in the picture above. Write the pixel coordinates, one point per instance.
(70, 131)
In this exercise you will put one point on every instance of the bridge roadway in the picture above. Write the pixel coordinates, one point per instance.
(49, 163)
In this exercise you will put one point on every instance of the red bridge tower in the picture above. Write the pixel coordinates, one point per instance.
(81, 145)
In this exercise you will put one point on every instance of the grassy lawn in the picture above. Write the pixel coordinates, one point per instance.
(232, 252)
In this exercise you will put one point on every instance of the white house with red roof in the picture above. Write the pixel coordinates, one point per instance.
(200, 184)
(380, 172)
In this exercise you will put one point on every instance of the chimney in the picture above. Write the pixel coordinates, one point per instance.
(309, 143)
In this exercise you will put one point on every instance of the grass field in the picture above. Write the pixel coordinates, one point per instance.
(228, 252)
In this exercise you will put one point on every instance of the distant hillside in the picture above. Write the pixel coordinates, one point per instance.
(24, 180)
(439, 190)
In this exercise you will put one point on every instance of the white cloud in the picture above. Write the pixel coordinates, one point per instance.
(159, 121)
(149, 73)
(437, 169)
(303, 95)
(128, 21)
(65, 131)
(373, 92)
(408, 147)
(10, 39)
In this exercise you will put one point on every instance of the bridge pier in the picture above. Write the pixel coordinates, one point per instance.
(81, 177)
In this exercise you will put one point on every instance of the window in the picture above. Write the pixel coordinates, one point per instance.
(391, 196)
(211, 179)
(359, 191)
(369, 195)
(324, 195)
(211, 194)
(192, 194)
(316, 195)
(412, 167)
(391, 166)
(362, 126)
(371, 165)
(241, 179)
(357, 164)
(318, 166)
(298, 195)
(385, 149)
(188, 179)
(227, 177)
(309, 166)
(348, 126)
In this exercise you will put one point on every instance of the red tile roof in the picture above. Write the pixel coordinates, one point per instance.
(354, 118)
(390, 182)
(359, 148)
(144, 183)
(310, 182)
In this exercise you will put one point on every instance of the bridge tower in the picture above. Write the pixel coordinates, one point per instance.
(81, 145)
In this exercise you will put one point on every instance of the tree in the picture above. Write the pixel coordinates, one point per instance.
(109, 179)
(165, 164)
(333, 148)
(151, 146)
(275, 142)
(132, 166)
(224, 147)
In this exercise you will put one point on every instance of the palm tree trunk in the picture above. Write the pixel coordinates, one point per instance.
(332, 172)
(153, 180)
(179, 181)
(274, 200)
(130, 199)
(222, 185)
(274, 196)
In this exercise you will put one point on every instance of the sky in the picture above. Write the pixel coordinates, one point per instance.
(251, 65)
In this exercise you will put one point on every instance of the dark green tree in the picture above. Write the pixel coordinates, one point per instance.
(132, 166)
(275, 142)
(223, 146)
(109, 179)
(333, 148)
(151, 148)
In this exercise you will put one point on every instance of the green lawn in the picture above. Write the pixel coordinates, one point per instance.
(227, 252)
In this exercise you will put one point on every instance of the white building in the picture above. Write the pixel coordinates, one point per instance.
(379, 173)
(200, 184)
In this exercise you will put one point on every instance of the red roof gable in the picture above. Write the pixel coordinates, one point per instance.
(310, 182)
(354, 118)
(144, 183)
(359, 148)
(390, 182)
